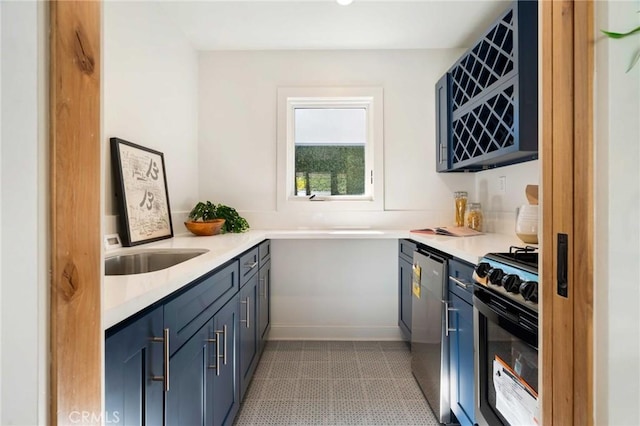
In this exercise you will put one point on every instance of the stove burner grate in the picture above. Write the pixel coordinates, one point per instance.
(524, 257)
(526, 249)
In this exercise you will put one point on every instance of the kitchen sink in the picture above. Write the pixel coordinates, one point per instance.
(148, 260)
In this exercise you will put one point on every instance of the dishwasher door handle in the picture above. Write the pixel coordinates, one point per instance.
(447, 309)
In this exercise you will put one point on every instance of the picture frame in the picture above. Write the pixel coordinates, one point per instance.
(141, 193)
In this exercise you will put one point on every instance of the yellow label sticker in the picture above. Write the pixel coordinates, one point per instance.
(417, 272)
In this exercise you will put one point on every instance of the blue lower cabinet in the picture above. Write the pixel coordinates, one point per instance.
(132, 359)
(264, 302)
(209, 335)
(188, 311)
(191, 380)
(249, 331)
(226, 386)
(405, 274)
(461, 360)
(202, 385)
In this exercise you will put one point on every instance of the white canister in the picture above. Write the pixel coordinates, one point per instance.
(527, 223)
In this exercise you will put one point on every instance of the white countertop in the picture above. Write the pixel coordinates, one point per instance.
(124, 295)
(470, 249)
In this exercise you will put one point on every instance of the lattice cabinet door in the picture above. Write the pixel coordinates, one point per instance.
(493, 95)
(488, 127)
(490, 61)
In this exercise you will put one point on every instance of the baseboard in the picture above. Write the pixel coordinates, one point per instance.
(309, 332)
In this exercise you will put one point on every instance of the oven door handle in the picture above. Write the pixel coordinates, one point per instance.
(518, 327)
(524, 323)
(502, 311)
(495, 308)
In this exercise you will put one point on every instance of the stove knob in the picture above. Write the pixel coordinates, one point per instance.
(483, 269)
(511, 283)
(495, 276)
(529, 290)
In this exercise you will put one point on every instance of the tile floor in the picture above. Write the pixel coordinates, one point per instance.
(334, 383)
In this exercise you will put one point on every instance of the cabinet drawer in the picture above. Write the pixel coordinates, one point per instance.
(186, 313)
(249, 265)
(265, 252)
(461, 279)
(406, 249)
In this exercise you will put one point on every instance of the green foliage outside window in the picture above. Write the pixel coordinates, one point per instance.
(330, 169)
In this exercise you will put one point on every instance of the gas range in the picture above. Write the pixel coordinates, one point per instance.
(505, 307)
(513, 275)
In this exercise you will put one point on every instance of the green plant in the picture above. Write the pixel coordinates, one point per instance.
(204, 211)
(233, 221)
(614, 35)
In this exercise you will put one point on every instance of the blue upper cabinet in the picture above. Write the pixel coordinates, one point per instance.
(493, 100)
(443, 128)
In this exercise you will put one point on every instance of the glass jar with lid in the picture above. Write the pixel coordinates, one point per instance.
(460, 198)
(474, 216)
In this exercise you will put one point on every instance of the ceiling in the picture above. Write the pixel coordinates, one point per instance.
(323, 24)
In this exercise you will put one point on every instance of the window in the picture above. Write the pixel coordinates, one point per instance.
(330, 147)
(329, 151)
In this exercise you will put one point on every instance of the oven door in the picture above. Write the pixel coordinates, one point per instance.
(506, 361)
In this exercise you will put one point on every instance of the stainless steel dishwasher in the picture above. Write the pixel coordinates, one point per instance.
(429, 347)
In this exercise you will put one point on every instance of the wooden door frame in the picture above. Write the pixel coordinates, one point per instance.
(567, 123)
(567, 208)
(75, 203)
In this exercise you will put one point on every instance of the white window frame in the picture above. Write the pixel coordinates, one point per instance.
(370, 98)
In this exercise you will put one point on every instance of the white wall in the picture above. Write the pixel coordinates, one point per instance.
(334, 289)
(23, 313)
(617, 215)
(237, 132)
(150, 98)
(337, 289)
(499, 207)
(237, 137)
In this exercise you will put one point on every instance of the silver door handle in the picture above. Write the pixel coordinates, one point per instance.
(165, 377)
(250, 265)
(224, 353)
(216, 352)
(460, 283)
(447, 309)
(246, 302)
(262, 280)
(217, 348)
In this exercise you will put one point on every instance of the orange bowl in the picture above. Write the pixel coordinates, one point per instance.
(210, 227)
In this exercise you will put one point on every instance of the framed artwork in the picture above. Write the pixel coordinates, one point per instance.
(141, 192)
